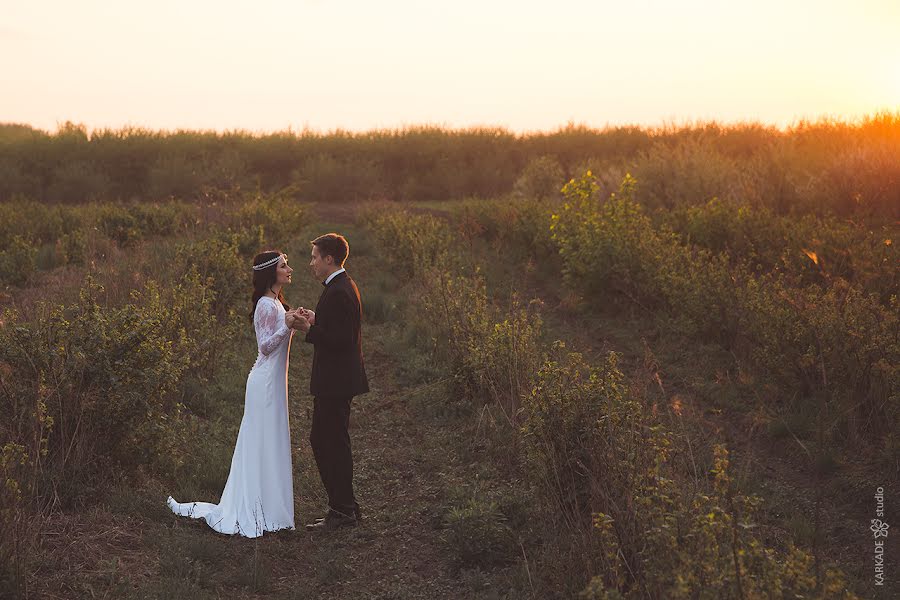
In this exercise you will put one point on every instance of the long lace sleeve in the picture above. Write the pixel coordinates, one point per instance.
(270, 327)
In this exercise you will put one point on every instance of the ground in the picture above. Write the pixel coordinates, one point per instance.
(414, 457)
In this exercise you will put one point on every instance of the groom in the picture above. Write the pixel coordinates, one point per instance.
(338, 374)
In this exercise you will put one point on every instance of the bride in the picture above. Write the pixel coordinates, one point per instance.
(259, 493)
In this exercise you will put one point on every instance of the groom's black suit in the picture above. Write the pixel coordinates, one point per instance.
(338, 374)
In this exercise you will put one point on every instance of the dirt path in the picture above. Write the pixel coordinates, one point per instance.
(401, 462)
(398, 551)
(131, 546)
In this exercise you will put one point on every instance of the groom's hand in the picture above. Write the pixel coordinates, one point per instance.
(302, 324)
(308, 315)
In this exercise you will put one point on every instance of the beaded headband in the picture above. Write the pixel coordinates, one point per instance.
(269, 263)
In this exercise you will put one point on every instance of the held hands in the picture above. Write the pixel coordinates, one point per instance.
(308, 315)
(297, 319)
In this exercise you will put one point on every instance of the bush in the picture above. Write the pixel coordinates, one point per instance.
(806, 248)
(578, 419)
(827, 166)
(126, 224)
(75, 182)
(541, 180)
(700, 545)
(863, 179)
(192, 317)
(18, 261)
(71, 248)
(220, 269)
(790, 328)
(119, 224)
(833, 342)
(517, 227)
(276, 220)
(89, 399)
(686, 172)
(14, 530)
(34, 221)
(607, 248)
(602, 463)
(412, 244)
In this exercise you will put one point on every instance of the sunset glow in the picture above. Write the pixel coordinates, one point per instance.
(273, 65)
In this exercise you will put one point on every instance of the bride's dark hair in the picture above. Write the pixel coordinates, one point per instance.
(264, 279)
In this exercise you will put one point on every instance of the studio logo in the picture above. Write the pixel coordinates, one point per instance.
(879, 528)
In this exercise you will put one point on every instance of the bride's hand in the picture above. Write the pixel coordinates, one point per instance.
(290, 318)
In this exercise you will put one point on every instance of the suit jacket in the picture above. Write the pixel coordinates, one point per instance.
(338, 369)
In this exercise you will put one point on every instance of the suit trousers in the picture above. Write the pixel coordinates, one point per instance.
(330, 441)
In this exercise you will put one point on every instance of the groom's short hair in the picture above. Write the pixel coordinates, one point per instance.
(334, 245)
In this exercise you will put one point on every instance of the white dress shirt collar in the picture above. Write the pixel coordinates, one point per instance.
(333, 275)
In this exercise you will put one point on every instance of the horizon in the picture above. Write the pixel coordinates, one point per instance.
(657, 129)
(320, 67)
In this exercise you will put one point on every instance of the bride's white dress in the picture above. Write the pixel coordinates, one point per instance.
(259, 494)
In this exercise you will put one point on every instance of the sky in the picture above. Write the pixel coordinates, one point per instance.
(274, 65)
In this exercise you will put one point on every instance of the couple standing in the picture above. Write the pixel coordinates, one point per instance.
(259, 493)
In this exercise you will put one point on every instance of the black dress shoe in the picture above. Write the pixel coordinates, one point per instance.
(358, 517)
(332, 522)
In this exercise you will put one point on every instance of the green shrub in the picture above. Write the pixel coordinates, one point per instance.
(700, 545)
(492, 354)
(173, 176)
(71, 248)
(633, 525)
(602, 464)
(607, 248)
(517, 227)
(412, 244)
(686, 172)
(119, 224)
(161, 219)
(188, 318)
(862, 179)
(540, 180)
(821, 167)
(790, 325)
(220, 269)
(75, 182)
(578, 419)
(18, 261)
(835, 342)
(90, 395)
(499, 364)
(14, 532)
(279, 219)
(806, 248)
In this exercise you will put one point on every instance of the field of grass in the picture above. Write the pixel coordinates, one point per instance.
(677, 383)
(99, 526)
